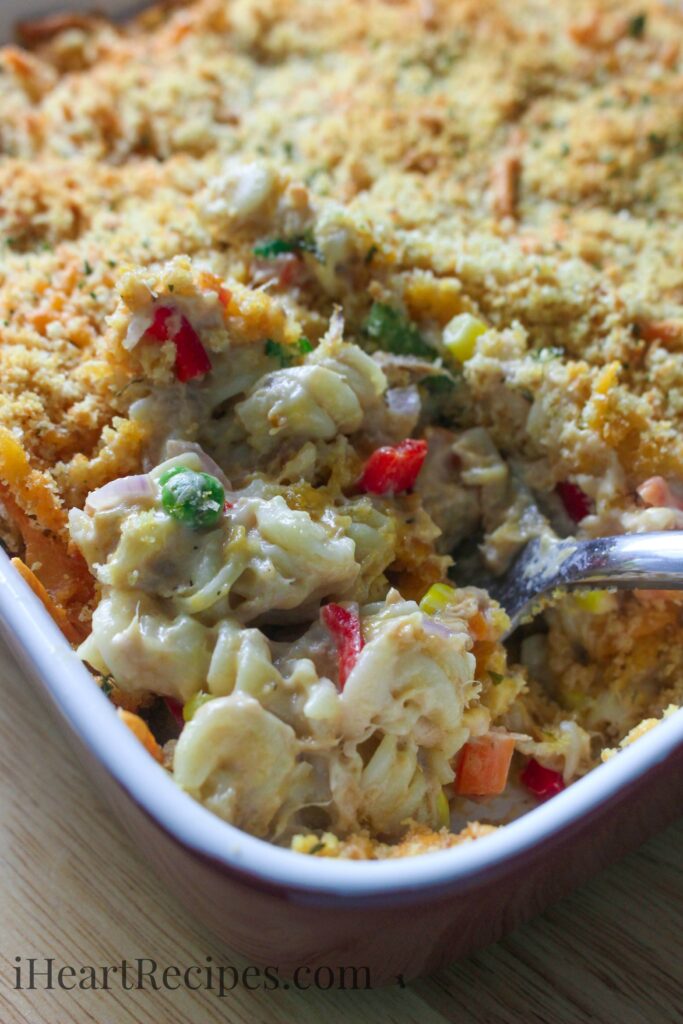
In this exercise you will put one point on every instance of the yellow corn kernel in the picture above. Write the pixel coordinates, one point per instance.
(192, 706)
(595, 602)
(303, 843)
(325, 846)
(438, 597)
(443, 811)
(460, 335)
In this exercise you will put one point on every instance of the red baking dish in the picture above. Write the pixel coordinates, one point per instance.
(280, 908)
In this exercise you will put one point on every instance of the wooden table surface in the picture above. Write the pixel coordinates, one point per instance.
(72, 888)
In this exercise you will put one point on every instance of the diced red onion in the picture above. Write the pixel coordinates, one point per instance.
(433, 628)
(127, 489)
(177, 447)
(405, 402)
(139, 324)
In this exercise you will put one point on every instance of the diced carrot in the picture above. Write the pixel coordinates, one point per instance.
(505, 183)
(176, 31)
(484, 764)
(598, 30)
(669, 51)
(141, 731)
(665, 331)
(214, 284)
(55, 610)
(482, 651)
(658, 493)
(478, 627)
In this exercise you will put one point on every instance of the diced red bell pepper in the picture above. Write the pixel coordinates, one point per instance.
(191, 359)
(394, 468)
(577, 504)
(176, 709)
(344, 625)
(158, 329)
(542, 782)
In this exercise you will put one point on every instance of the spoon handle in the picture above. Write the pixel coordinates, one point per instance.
(646, 561)
(642, 561)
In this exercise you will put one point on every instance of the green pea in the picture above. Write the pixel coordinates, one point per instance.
(195, 499)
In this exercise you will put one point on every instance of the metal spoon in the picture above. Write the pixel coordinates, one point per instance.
(643, 561)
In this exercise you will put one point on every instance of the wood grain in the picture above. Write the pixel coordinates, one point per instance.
(72, 888)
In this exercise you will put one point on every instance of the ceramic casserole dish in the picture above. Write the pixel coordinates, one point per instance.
(405, 916)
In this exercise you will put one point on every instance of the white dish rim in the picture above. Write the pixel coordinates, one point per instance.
(37, 639)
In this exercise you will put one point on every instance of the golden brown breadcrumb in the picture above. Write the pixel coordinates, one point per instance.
(417, 840)
(567, 116)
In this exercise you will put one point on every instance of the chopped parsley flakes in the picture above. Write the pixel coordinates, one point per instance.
(370, 254)
(284, 354)
(438, 384)
(278, 246)
(393, 332)
(636, 26)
